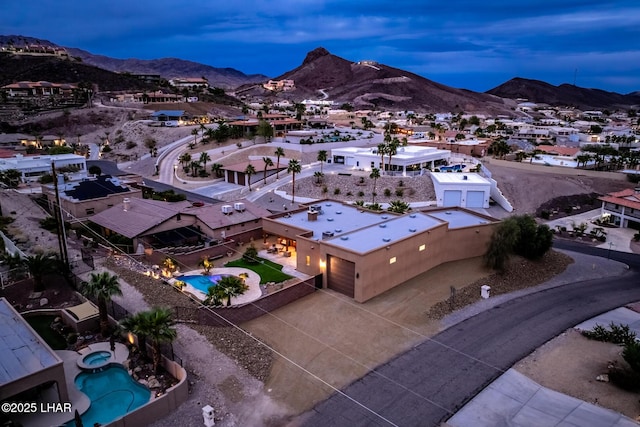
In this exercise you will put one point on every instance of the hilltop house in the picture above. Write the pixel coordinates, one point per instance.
(31, 168)
(408, 161)
(189, 82)
(623, 207)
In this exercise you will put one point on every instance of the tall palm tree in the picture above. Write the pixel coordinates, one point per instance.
(267, 163)
(137, 324)
(39, 266)
(194, 132)
(249, 170)
(102, 286)
(322, 157)
(294, 168)
(231, 286)
(374, 175)
(159, 331)
(204, 158)
(185, 158)
(392, 149)
(279, 153)
(382, 150)
(211, 134)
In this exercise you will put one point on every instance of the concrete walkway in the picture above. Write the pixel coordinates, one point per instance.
(514, 400)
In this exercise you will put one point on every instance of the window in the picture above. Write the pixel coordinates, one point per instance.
(90, 211)
(392, 260)
(422, 247)
(308, 260)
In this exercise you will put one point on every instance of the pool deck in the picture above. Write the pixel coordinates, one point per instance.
(253, 281)
(79, 400)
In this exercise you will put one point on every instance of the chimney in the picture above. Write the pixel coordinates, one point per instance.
(126, 204)
(312, 215)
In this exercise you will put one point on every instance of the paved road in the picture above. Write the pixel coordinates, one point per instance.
(428, 384)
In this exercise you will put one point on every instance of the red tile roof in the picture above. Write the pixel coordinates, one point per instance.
(559, 150)
(629, 198)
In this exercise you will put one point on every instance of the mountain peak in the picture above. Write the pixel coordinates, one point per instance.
(315, 54)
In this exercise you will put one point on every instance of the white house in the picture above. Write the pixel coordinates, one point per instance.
(468, 190)
(31, 168)
(408, 161)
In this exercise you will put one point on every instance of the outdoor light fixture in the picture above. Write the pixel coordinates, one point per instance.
(323, 263)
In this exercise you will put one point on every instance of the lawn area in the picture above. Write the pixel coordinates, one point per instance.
(41, 324)
(268, 271)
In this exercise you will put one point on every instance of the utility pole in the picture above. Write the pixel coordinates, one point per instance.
(57, 210)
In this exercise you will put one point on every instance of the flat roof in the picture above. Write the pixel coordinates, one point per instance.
(459, 219)
(386, 232)
(334, 217)
(458, 178)
(23, 351)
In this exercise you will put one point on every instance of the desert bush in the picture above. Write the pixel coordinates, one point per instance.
(399, 192)
(336, 191)
(325, 189)
(545, 214)
(349, 193)
(131, 145)
(387, 192)
(616, 334)
(626, 379)
(360, 193)
(251, 255)
(631, 354)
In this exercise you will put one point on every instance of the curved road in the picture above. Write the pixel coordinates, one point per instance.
(429, 383)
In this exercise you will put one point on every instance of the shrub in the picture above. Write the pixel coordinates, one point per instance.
(349, 193)
(401, 183)
(626, 379)
(387, 192)
(631, 354)
(251, 255)
(336, 191)
(636, 237)
(361, 194)
(545, 214)
(324, 189)
(399, 192)
(131, 145)
(616, 334)
(106, 149)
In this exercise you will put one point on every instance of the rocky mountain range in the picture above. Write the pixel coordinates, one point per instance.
(564, 95)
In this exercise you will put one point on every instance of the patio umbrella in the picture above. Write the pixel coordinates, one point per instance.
(77, 419)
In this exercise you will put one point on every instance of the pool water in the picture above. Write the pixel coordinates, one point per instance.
(452, 168)
(97, 358)
(201, 282)
(112, 393)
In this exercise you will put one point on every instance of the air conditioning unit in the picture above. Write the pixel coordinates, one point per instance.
(327, 234)
(239, 207)
(227, 209)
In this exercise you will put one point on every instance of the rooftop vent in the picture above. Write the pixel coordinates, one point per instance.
(447, 213)
(327, 204)
(386, 239)
(227, 209)
(384, 217)
(327, 234)
(413, 230)
(126, 204)
(412, 215)
(239, 206)
(382, 225)
(338, 212)
(338, 230)
(312, 215)
(344, 238)
(329, 219)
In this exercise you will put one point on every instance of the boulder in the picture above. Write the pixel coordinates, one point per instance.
(603, 378)
(153, 383)
(43, 302)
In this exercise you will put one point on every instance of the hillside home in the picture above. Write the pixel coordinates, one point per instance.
(623, 207)
(279, 85)
(408, 161)
(189, 82)
(171, 117)
(31, 168)
(362, 254)
(82, 199)
(39, 89)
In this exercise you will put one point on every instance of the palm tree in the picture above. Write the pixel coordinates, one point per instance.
(392, 149)
(138, 325)
(267, 163)
(249, 170)
(231, 286)
(215, 295)
(322, 157)
(204, 158)
(216, 168)
(382, 150)
(211, 134)
(294, 168)
(374, 175)
(39, 266)
(194, 166)
(102, 286)
(318, 175)
(185, 158)
(194, 132)
(279, 153)
(398, 206)
(159, 331)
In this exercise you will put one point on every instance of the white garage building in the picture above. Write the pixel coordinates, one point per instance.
(467, 190)
(408, 161)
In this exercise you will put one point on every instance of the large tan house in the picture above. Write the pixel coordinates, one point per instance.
(362, 253)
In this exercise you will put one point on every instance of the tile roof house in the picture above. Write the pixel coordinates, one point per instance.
(623, 207)
(159, 224)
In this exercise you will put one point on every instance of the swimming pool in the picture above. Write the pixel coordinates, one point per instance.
(453, 168)
(201, 282)
(112, 392)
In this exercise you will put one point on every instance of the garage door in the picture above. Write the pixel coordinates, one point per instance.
(341, 275)
(475, 199)
(452, 198)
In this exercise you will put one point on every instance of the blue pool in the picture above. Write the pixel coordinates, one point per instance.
(112, 392)
(453, 168)
(201, 282)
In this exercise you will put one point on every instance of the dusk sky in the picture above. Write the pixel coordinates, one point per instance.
(475, 45)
